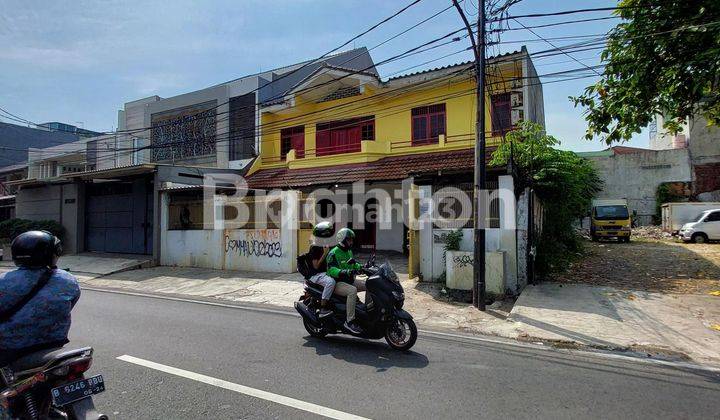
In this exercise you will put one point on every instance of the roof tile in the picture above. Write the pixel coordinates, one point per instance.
(386, 169)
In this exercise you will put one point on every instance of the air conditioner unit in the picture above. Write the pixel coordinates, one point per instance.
(516, 99)
(516, 115)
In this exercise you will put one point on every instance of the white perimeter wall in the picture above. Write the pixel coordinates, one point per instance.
(267, 250)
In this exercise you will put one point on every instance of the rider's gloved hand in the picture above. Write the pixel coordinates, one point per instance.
(346, 276)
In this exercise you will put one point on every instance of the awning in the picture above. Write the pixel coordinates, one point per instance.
(130, 170)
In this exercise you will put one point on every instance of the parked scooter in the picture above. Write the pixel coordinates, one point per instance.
(382, 317)
(50, 384)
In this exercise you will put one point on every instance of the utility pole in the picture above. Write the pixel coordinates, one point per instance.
(479, 176)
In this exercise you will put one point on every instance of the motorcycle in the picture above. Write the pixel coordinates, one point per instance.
(51, 384)
(382, 317)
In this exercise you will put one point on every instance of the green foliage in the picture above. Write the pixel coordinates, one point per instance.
(564, 182)
(452, 240)
(665, 194)
(662, 58)
(452, 243)
(11, 228)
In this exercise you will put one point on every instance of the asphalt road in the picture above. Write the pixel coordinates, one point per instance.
(440, 378)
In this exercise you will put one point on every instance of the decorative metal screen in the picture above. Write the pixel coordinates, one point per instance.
(185, 134)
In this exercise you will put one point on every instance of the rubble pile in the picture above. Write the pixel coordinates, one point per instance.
(650, 232)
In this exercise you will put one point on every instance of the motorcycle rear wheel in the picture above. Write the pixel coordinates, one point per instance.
(314, 331)
(403, 335)
(317, 332)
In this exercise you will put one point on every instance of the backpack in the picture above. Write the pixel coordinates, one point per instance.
(304, 265)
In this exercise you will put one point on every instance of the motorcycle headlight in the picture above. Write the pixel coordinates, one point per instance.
(398, 295)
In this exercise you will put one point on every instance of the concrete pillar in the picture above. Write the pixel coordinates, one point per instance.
(157, 219)
(290, 210)
(508, 238)
(426, 234)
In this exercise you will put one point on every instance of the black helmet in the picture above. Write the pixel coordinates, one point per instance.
(324, 230)
(35, 248)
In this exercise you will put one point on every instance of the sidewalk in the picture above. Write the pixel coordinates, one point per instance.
(677, 326)
(424, 301)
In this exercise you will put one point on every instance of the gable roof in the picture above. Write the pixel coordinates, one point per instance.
(278, 84)
(457, 65)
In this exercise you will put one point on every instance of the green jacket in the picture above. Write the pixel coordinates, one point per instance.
(337, 262)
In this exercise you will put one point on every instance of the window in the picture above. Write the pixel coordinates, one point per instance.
(292, 138)
(713, 217)
(344, 136)
(500, 113)
(185, 210)
(367, 130)
(428, 122)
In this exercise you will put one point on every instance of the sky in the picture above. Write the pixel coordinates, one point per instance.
(79, 61)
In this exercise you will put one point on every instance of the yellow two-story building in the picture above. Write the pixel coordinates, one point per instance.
(337, 127)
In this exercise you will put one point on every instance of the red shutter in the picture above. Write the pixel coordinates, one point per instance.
(322, 142)
(298, 143)
(354, 138)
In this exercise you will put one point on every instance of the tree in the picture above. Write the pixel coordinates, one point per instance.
(663, 58)
(564, 182)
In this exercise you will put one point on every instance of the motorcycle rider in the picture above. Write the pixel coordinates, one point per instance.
(318, 254)
(341, 266)
(36, 298)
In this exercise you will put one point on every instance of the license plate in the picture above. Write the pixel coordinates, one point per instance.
(74, 391)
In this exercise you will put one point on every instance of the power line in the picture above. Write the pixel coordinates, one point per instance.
(565, 12)
(403, 108)
(554, 46)
(547, 25)
(373, 97)
(305, 65)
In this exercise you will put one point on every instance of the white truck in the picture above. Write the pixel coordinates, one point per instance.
(675, 215)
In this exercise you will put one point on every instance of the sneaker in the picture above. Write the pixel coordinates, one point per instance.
(324, 312)
(350, 326)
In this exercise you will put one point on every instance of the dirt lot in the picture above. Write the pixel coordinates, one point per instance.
(649, 265)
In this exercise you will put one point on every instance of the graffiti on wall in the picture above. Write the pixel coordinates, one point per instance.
(462, 260)
(256, 243)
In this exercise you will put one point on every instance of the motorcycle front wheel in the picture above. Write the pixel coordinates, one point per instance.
(402, 334)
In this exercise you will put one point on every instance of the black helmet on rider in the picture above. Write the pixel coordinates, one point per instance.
(35, 249)
(345, 237)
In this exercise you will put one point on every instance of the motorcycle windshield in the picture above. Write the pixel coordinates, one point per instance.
(387, 272)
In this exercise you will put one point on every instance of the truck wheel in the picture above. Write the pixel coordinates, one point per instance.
(626, 239)
(699, 238)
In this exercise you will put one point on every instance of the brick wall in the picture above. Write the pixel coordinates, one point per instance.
(707, 177)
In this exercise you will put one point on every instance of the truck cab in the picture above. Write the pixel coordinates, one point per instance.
(610, 219)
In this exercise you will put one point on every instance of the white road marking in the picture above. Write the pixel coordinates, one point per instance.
(508, 342)
(246, 390)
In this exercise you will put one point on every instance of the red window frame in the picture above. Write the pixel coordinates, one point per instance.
(292, 138)
(427, 123)
(501, 113)
(337, 137)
